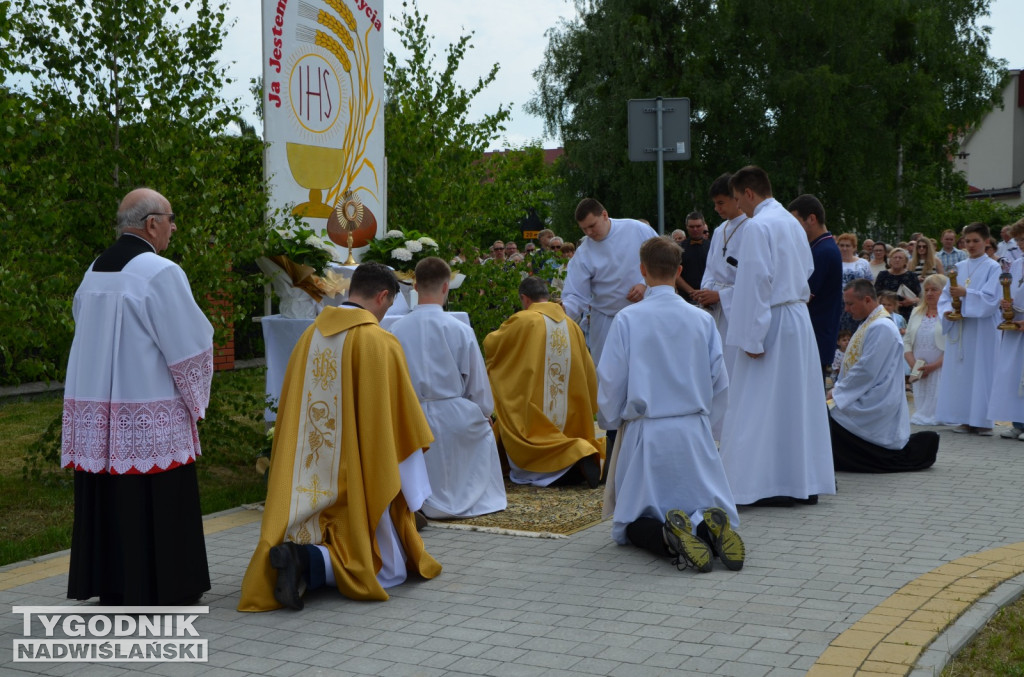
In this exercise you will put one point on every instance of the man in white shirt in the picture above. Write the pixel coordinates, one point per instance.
(450, 379)
(604, 275)
(870, 422)
(1007, 251)
(605, 272)
(775, 441)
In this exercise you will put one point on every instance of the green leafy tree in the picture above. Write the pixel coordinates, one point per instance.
(439, 181)
(114, 94)
(857, 106)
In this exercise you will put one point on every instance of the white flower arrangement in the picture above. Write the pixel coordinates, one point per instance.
(401, 250)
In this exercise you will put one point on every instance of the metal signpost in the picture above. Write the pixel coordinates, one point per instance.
(659, 129)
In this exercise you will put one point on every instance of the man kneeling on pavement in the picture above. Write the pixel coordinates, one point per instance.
(869, 420)
(667, 490)
(545, 393)
(346, 470)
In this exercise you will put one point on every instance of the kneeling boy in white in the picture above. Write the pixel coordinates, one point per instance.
(667, 473)
(448, 373)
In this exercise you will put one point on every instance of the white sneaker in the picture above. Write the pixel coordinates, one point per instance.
(1021, 437)
(1012, 433)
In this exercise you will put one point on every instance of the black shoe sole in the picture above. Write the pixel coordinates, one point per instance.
(290, 584)
(726, 543)
(591, 471)
(679, 532)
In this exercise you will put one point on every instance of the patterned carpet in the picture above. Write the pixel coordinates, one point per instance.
(543, 510)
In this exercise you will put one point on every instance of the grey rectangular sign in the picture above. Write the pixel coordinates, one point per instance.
(643, 129)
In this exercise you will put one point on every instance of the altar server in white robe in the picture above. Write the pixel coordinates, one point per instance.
(667, 461)
(138, 381)
(775, 442)
(870, 420)
(969, 363)
(604, 275)
(716, 290)
(1007, 401)
(450, 379)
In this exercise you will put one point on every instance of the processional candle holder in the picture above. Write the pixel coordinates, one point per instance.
(1008, 324)
(954, 315)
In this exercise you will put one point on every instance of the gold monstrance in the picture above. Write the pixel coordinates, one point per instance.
(954, 315)
(350, 216)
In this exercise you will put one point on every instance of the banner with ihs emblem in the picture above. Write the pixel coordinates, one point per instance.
(323, 107)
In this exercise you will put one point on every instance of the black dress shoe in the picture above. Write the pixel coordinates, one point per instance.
(591, 471)
(810, 500)
(291, 561)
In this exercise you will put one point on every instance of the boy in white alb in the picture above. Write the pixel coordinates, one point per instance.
(968, 365)
(667, 473)
(716, 288)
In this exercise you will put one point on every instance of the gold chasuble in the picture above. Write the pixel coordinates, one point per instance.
(545, 389)
(348, 416)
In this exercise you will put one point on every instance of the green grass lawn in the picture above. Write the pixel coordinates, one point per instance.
(997, 651)
(36, 509)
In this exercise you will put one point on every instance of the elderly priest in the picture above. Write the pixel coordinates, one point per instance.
(545, 393)
(870, 422)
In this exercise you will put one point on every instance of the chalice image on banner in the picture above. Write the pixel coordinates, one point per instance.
(315, 168)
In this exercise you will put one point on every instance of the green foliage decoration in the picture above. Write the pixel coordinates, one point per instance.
(301, 246)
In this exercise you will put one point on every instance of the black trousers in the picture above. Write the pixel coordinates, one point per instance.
(138, 539)
(853, 454)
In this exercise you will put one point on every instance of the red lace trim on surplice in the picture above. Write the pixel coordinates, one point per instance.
(192, 377)
(128, 437)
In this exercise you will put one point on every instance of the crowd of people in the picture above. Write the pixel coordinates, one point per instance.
(692, 339)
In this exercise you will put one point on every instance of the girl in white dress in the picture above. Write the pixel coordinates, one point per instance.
(924, 341)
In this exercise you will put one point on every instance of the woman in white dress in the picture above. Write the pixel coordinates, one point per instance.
(924, 341)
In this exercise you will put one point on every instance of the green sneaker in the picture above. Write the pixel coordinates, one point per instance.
(727, 543)
(688, 549)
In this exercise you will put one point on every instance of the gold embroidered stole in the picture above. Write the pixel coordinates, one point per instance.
(318, 457)
(856, 347)
(557, 362)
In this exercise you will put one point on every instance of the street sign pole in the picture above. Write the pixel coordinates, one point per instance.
(661, 166)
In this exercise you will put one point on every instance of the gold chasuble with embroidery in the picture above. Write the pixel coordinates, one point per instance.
(545, 389)
(348, 416)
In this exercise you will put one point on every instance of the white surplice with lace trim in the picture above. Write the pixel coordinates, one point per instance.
(139, 373)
